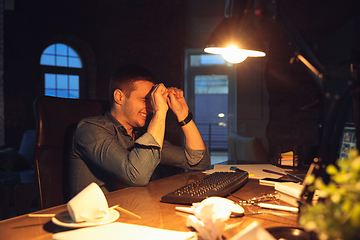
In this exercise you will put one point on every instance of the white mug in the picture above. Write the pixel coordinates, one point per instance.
(89, 205)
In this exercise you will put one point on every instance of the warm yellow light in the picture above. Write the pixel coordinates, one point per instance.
(233, 54)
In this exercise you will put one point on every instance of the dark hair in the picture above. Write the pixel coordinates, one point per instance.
(125, 77)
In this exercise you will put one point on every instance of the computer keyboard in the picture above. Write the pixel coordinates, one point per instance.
(216, 184)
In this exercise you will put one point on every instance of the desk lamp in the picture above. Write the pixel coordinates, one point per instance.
(238, 28)
(232, 40)
(236, 38)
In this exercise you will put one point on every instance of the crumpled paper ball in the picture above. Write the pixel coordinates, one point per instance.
(210, 216)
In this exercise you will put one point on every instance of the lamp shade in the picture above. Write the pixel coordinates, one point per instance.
(235, 40)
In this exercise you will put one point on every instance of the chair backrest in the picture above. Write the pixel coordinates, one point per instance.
(26, 148)
(246, 148)
(55, 121)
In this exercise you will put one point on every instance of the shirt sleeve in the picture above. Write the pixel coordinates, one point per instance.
(193, 156)
(106, 151)
(184, 157)
(147, 140)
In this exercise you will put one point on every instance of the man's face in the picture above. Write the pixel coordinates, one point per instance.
(138, 105)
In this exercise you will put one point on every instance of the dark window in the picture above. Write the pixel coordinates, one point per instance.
(62, 68)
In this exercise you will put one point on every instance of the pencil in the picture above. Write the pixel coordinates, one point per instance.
(126, 211)
(40, 215)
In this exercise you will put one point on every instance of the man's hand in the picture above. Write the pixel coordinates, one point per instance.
(179, 106)
(177, 103)
(160, 107)
(159, 97)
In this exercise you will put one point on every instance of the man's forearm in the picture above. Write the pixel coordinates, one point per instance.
(179, 106)
(193, 137)
(157, 127)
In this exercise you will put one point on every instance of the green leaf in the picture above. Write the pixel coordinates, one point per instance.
(355, 215)
(331, 170)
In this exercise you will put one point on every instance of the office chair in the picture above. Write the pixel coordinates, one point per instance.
(4, 202)
(55, 120)
(246, 148)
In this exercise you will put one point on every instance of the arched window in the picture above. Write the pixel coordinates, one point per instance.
(62, 70)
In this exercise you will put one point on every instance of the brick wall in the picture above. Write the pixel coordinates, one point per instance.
(295, 112)
(108, 33)
(150, 33)
(2, 116)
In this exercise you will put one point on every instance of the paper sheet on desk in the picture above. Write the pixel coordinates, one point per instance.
(123, 231)
(255, 170)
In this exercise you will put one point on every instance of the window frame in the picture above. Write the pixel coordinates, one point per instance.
(44, 69)
(189, 83)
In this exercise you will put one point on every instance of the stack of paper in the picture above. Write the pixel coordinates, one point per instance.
(289, 192)
(287, 158)
(255, 170)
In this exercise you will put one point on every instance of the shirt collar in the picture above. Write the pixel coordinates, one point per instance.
(138, 131)
(115, 121)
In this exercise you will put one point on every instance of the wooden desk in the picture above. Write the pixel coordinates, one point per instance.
(145, 202)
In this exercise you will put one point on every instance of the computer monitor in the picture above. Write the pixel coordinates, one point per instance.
(347, 141)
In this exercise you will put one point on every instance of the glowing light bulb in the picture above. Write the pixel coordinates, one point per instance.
(234, 55)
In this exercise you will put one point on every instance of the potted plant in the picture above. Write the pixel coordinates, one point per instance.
(338, 216)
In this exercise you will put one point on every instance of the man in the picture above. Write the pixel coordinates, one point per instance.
(117, 150)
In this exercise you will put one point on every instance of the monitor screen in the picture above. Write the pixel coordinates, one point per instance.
(348, 140)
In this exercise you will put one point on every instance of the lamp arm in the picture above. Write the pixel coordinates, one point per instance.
(340, 106)
(299, 44)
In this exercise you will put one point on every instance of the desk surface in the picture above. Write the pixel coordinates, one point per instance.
(145, 202)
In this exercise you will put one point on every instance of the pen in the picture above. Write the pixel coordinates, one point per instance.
(294, 177)
(273, 172)
(284, 174)
(185, 209)
(278, 207)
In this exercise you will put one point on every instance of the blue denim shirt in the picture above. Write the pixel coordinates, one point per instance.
(103, 152)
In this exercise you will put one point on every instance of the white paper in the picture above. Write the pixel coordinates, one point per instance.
(290, 188)
(123, 231)
(255, 170)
